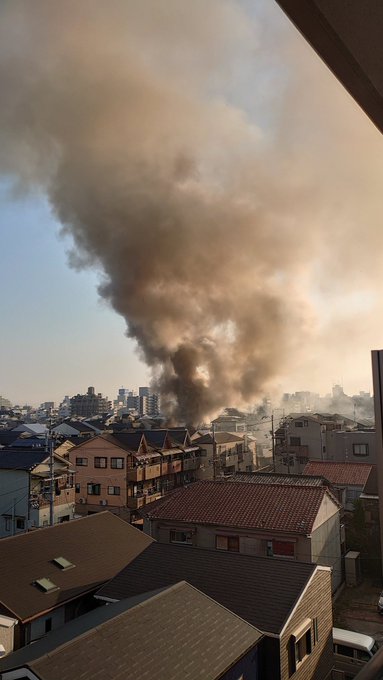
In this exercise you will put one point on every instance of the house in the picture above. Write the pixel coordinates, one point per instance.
(305, 437)
(275, 520)
(168, 634)
(35, 429)
(127, 470)
(224, 453)
(347, 479)
(25, 490)
(48, 576)
(74, 428)
(288, 601)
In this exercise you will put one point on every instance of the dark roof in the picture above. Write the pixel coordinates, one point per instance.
(79, 425)
(235, 504)
(156, 438)
(180, 436)
(276, 478)
(261, 590)
(11, 459)
(29, 443)
(169, 635)
(220, 438)
(98, 545)
(7, 437)
(131, 441)
(371, 486)
(344, 474)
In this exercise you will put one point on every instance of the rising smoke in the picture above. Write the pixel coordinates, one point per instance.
(207, 225)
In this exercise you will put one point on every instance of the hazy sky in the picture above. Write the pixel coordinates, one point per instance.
(58, 336)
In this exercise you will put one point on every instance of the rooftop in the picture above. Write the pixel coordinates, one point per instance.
(253, 506)
(345, 474)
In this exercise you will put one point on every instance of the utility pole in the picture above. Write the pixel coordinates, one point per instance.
(214, 453)
(51, 476)
(272, 441)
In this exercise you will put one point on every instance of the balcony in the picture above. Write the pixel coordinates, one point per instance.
(175, 466)
(152, 471)
(135, 502)
(136, 474)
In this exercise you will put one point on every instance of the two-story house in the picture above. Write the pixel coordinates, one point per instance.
(288, 601)
(347, 479)
(276, 520)
(180, 624)
(224, 453)
(49, 576)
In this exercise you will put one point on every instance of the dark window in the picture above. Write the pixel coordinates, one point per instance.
(78, 488)
(230, 543)
(82, 461)
(20, 523)
(48, 625)
(298, 423)
(362, 655)
(100, 462)
(117, 463)
(94, 489)
(360, 449)
(345, 651)
(113, 490)
(184, 537)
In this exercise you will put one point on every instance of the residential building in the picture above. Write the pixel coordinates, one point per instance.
(25, 490)
(275, 520)
(48, 576)
(288, 601)
(230, 423)
(75, 428)
(303, 437)
(127, 470)
(89, 404)
(348, 480)
(113, 638)
(224, 453)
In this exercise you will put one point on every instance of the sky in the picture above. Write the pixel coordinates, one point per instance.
(59, 336)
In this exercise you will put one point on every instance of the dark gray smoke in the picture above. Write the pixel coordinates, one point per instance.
(206, 227)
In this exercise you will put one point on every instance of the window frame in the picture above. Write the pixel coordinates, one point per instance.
(185, 532)
(114, 492)
(362, 445)
(97, 462)
(82, 463)
(113, 460)
(229, 540)
(93, 489)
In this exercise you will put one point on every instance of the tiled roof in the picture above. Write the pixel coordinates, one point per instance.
(235, 504)
(98, 545)
(131, 441)
(261, 590)
(167, 635)
(345, 474)
(275, 478)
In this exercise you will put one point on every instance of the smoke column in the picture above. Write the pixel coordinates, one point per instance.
(208, 227)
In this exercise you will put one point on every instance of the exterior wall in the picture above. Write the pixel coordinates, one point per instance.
(239, 456)
(37, 628)
(14, 502)
(7, 633)
(106, 477)
(326, 541)
(322, 547)
(314, 604)
(246, 668)
(340, 446)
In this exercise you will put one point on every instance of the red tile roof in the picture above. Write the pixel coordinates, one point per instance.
(235, 504)
(345, 474)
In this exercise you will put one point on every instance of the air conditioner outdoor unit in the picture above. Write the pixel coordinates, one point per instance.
(103, 502)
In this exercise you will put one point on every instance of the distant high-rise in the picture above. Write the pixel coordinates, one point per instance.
(89, 404)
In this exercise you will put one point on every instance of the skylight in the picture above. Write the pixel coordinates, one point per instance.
(63, 563)
(46, 585)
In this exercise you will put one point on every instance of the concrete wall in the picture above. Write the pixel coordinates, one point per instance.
(340, 446)
(326, 547)
(14, 501)
(37, 627)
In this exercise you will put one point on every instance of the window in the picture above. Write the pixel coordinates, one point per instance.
(298, 423)
(46, 585)
(305, 423)
(100, 462)
(230, 543)
(184, 537)
(20, 523)
(295, 441)
(117, 463)
(82, 462)
(300, 645)
(94, 489)
(360, 449)
(113, 490)
(279, 549)
(315, 631)
(77, 488)
(345, 651)
(48, 625)
(62, 563)
(8, 523)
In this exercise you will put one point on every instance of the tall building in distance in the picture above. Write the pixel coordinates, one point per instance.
(89, 404)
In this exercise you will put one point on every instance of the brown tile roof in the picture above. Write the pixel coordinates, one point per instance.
(345, 474)
(173, 634)
(220, 438)
(235, 504)
(261, 590)
(99, 546)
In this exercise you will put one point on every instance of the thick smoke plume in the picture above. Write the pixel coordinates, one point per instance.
(209, 228)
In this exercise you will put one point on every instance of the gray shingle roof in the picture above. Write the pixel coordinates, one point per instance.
(99, 546)
(261, 590)
(21, 460)
(178, 633)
